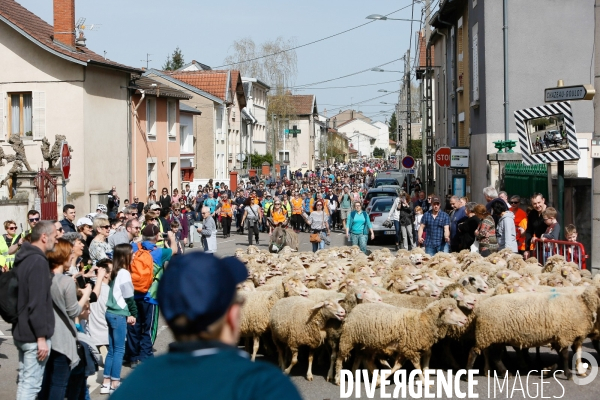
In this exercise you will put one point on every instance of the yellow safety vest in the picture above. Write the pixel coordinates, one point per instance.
(160, 242)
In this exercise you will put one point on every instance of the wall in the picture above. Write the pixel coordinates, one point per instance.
(300, 147)
(562, 51)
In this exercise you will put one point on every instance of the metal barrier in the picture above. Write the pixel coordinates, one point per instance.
(571, 251)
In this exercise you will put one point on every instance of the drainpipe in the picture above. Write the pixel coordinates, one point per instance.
(505, 40)
(134, 150)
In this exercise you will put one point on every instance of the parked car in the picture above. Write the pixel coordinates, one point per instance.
(386, 181)
(553, 137)
(378, 212)
(379, 192)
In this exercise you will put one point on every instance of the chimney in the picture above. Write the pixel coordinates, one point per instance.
(64, 22)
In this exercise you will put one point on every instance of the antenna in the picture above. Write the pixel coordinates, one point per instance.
(147, 60)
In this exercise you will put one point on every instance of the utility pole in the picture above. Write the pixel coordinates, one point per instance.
(596, 161)
(273, 133)
(408, 100)
(428, 140)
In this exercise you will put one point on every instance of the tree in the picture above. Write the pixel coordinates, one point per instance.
(393, 126)
(377, 152)
(415, 148)
(174, 61)
(259, 159)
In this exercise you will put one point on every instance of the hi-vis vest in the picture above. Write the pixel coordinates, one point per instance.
(278, 216)
(296, 206)
(226, 210)
(160, 242)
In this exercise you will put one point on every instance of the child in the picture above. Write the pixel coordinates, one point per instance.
(418, 216)
(552, 231)
(572, 252)
(176, 229)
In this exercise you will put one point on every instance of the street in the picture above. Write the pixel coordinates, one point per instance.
(319, 389)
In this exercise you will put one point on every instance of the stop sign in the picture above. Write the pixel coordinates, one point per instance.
(442, 157)
(65, 160)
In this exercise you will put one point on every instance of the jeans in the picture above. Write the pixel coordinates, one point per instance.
(317, 246)
(77, 382)
(360, 240)
(432, 250)
(31, 371)
(139, 336)
(117, 330)
(56, 377)
(398, 231)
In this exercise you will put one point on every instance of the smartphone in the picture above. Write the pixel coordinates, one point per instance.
(80, 281)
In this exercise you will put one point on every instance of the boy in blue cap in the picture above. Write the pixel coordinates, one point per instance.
(197, 296)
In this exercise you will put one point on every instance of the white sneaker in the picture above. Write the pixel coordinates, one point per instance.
(105, 389)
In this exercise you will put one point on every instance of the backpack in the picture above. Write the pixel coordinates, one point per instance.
(9, 291)
(142, 269)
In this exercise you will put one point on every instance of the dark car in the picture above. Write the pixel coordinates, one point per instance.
(379, 192)
(553, 137)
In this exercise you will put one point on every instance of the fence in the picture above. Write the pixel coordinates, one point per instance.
(572, 251)
(525, 180)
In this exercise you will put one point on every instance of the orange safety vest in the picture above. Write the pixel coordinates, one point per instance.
(278, 216)
(296, 206)
(226, 210)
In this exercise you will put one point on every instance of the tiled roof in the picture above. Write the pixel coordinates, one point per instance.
(41, 33)
(303, 104)
(392, 142)
(352, 151)
(155, 88)
(214, 82)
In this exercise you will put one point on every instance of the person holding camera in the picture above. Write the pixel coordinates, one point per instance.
(401, 216)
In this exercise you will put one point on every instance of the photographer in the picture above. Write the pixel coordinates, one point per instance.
(401, 216)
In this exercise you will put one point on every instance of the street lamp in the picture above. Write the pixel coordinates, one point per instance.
(380, 17)
(383, 70)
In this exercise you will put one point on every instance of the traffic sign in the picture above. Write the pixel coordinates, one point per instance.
(564, 93)
(408, 162)
(459, 158)
(442, 157)
(65, 160)
(408, 171)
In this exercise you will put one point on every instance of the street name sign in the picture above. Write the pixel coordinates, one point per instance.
(564, 93)
(459, 158)
(442, 157)
(293, 131)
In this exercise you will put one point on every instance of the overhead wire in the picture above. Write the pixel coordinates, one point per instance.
(309, 43)
(350, 86)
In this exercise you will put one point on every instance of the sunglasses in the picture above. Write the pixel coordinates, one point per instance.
(137, 228)
(34, 219)
(514, 202)
(11, 228)
(134, 214)
(105, 227)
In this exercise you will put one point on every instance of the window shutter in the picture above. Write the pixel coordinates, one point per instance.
(3, 119)
(39, 115)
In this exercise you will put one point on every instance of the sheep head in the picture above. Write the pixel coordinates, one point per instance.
(330, 309)
(293, 286)
(474, 283)
(448, 312)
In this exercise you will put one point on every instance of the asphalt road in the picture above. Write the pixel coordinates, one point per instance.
(516, 387)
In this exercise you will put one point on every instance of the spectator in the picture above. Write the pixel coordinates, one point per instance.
(151, 197)
(317, 220)
(175, 197)
(99, 247)
(505, 230)
(467, 228)
(131, 212)
(422, 202)
(7, 260)
(572, 253)
(486, 231)
(552, 230)
(69, 218)
(436, 225)
(35, 322)
(59, 229)
(252, 215)
(224, 210)
(296, 204)
(63, 355)
(417, 222)
(198, 299)
(209, 231)
(130, 234)
(188, 194)
(184, 226)
(358, 227)
(164, 200)
(211, 203)
(458, 216)
(113, 203)
(520, 221)
(491, 196)
(536, 226)
(120, 311)
(176, 230)
(33, 217)
(97, 327)
(504, 196)
(239, 211)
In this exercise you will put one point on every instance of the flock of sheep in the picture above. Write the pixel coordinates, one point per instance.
(390, 308)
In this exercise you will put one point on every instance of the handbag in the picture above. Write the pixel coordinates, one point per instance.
(315, 238)
(387, 223)
(475, 246)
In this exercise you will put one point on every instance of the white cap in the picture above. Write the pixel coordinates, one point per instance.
(155, 207)
(84, 221)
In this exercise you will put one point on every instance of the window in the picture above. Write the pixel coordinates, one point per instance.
(20, 114)
(219, 120)
(475, 55)
(284, 156)
(151, 172)
(185, 139)
(171, 117)
(151, 118)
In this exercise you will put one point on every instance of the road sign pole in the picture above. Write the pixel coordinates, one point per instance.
(560, 178)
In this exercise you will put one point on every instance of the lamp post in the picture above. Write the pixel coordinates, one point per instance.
(380, 17)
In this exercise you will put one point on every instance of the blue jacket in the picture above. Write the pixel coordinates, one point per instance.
(366, 227)
(67, 225)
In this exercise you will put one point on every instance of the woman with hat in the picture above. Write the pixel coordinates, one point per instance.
(152, 197)
(317, 220)
(358, 227)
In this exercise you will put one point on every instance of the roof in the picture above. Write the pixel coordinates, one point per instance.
(194, 66)
(354, 119)
(155, 88)
(188, 109)
(215, 82)
(423, 51)
(392, 142)
(247, 79)
(193, 89)
(41, 33)
(352, 151)
(304, 104)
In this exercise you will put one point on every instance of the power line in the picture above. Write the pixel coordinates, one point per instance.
(309, 43)
(352, 86)
(342, 77)
(364, 101)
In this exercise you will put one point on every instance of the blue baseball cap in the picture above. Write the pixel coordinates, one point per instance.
(200, 287)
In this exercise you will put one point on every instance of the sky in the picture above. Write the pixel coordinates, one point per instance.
(205, 31)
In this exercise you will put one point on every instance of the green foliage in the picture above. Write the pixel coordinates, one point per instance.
(393, 126)
(259, 159)
(174, 61)
(415, 149)
(377, 152)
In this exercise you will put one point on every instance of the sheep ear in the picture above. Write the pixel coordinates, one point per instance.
(342, 285)
(359, 295)
(318, 305)
(465, 282)
(286, 286)
(410, 288)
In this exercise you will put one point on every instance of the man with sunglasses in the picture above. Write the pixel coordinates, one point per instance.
(520, 221)
(129, 235)
(33, 217)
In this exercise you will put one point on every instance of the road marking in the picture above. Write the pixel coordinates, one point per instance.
(1, 334)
